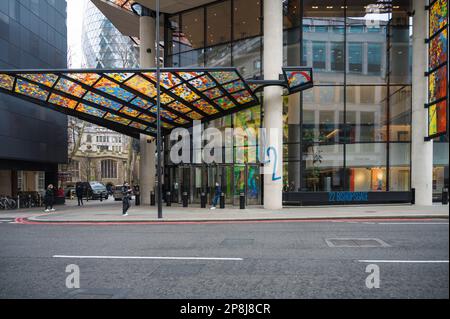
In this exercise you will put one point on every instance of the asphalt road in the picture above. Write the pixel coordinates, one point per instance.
(267, 260)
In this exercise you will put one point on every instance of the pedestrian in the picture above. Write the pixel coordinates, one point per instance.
(137, 194)
(126, 192)
(217, 194)
(79, 192)
(49, 199)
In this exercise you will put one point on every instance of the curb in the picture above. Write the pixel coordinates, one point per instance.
(30, 221)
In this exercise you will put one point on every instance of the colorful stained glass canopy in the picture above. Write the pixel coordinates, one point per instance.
(126, 100)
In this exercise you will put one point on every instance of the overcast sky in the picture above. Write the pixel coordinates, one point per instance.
(74, 27)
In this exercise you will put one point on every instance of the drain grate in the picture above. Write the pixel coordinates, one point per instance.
(356, 242)
(232, 242)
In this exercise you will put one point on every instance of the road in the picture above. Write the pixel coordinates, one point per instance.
(242, 260)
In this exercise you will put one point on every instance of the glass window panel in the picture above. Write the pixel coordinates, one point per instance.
(130, 112)
(90, 110)
(203, 83)
(400, 55)
(367, 13)
(292, 13)
(147, 118)
(247, 18)
(399, 166)
(139, 126)
(214, 93)
(179, 107)
(369, 124)
(120, 77)
(205, 107)
(247, 57)
(141, 85)
(192, 36)
(45, 79)
(193, 58)
(437, 84)
(218, 56)
(438, 51)
(367, 167)
(143, 104)
(85, 78)
(117, 119)
(224, 76)
(400, 113)
(6, 82)
(218, 23)
(167, 80)
(184, 92)
(243, 97)
(225, 103)
(438, 16)
(323, 13)
(195, 116)
(190, 75)
(355, 57)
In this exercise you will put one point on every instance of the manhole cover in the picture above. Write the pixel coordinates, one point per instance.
(356, 242)
(237, 242)
(178, 270)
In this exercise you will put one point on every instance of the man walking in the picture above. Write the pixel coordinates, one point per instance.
(49, 199)
(126, 192)
(79, 192)
(217, 194)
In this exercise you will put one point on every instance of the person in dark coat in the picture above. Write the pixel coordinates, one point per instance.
(126, 192)
(79, 193)
(49, 198)
(217, 194)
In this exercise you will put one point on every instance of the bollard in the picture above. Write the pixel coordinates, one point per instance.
(242, 201)
(203, 200)
(222, 201)
(152, 199)
(168, 199)
(413, 196)
(445, 196)
(138, 199)
(185, 199)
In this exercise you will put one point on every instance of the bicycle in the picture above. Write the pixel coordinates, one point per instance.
(8, 202)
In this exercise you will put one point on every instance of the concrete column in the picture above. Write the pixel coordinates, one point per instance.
(422, 152)
(147, 163)
(273, 100)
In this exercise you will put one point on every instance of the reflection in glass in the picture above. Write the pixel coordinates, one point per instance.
(218, 23)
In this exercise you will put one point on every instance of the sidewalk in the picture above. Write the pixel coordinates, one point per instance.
(96, 212)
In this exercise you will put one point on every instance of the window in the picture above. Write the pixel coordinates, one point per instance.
(246, 18)
(192, 36)
(74, 169)
(41, 181)
(89, 139)
(319, 55)
(355, 57)
(109, 169)
(337, 56)
(218, 23)
(374, 58)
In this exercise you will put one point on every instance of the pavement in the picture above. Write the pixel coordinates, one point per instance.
(111, 212)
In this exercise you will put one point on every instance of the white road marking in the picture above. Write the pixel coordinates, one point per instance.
(424, 223)
(149, 258)
(404, 261)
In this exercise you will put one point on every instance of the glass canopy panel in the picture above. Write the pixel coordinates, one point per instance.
(168, 79)
(194, 116)
(85, 78)
(130, 112)
(6, 82)
(179, 107)
(225, 76)
(113, 89)
(70, 87)
(205, 107)
(100, 100)
(120, 77)
(83, 108)
(117, 119)
(166, 99)
(141, 85)
(297, 78)
(45, 79)
(243, 97)
(164, 113)
(62, 101)
(147, 118)
(225, 103)
(181, 121)
(203, 83)
(185, 93)
(234, 86)
(214, 93)
(32, 90)
(141, 103)
(167, 126)
(139, 126)
(189, 75)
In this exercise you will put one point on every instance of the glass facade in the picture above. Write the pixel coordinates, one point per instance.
(103, 45)
(352, 131)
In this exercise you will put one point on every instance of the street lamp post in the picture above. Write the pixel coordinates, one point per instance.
(158, 89)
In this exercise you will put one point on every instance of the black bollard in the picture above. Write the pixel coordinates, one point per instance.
(222, 201)
(185, 199)
(413, 196)
(242, 201)
(152, 199)
(445, 196)
(138, 199)
(203, 200)
(168, 199)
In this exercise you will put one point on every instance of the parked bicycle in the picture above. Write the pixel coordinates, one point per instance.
(6, 202)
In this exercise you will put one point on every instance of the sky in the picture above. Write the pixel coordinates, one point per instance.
(74, 29)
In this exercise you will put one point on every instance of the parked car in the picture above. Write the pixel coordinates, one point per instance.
(94, 191)
(117, 192)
